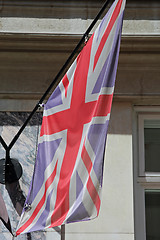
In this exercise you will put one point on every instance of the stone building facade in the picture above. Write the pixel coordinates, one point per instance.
(36, 37)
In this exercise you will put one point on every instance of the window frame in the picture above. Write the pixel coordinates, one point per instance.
(141, 119)
(142, 180)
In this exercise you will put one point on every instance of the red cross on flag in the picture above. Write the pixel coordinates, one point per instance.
(67, 180)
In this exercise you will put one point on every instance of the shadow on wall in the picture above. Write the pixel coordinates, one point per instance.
(120, 119)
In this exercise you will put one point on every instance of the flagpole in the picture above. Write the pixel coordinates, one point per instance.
(58, 75)
(3, 143)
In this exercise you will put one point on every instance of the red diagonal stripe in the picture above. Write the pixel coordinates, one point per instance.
(86, 159)
(107, 32)
(90, 186)
(93, 194)
(65, 82)
(41, 202)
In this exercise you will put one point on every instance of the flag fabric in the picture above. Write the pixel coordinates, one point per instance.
(4, 215)
(67, 180)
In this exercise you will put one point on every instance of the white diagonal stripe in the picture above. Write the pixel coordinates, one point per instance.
(59, 154)
(66, 100)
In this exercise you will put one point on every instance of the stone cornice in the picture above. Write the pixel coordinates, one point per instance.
(135, 9)
(29, 63)
(66, 43)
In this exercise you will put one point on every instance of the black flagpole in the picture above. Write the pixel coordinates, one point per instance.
(3, 143)
(57, 76)
(59, 73)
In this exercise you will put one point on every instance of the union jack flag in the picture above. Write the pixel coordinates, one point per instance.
(67, 179)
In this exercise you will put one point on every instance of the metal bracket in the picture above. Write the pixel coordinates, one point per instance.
(10, 171)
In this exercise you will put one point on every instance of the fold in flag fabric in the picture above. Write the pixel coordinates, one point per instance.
(67, 179)
(4, 215)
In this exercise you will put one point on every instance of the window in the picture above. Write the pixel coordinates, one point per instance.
(149, 144)
(147, 175)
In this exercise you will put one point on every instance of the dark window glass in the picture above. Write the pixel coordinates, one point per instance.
(152, 146)
(152, 207)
